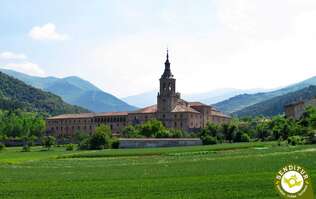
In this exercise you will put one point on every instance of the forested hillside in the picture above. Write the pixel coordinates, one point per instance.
(240, 102)
(14, 94)
(276, 105)
(76, 91)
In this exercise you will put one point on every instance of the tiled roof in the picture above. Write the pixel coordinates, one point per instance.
(149, 109)
(74, 116)
(183, 108)
(220, 114)
(197, 104)
(87, 115)
(111, 114)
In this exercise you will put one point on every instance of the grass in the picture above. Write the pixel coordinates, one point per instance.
(218, 171)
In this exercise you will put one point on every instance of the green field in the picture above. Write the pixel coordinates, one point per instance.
(218, 171)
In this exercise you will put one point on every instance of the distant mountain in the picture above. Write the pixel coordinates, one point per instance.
(76, 91)
(276, 105)
(15, 94)
(143, 99)
(240, 102)
(218, 95)
(210, 97)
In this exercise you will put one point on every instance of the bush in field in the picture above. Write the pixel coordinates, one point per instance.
(229, 131)
(177, 133)
(152, 128)
(163, 134)
(209, 140)
(48, 142)
(84, 144)
(237, 137)
(80, 136)
(131, 132)
(26, 148)
(313, 140)
(115, 143)
(211, 132)
(70, 147)
(245, 137)
(102, 137)
(2, 146)
(295, 140)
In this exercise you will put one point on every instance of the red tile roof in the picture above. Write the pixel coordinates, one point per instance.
(183, 108)
(87, 115)
(148, 109)
(111, 114)
(73, 116)
(197, 104)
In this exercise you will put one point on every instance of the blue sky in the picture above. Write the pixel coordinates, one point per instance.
(120, 45)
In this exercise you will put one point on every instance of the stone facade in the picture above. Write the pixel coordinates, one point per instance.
(295, 110)
(170, 109)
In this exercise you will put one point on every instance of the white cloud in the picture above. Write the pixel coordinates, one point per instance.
(12, 56)
(47, 32)
(26, 67)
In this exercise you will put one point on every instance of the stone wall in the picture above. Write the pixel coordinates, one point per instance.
(158, 142)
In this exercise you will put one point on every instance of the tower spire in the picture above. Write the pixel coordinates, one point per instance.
(167, 73)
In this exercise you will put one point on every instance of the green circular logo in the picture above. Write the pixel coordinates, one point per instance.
(292, 181)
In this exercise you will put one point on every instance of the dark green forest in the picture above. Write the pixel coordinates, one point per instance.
(15, 94)
(275, 106)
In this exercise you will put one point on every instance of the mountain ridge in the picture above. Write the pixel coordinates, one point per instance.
(15, 94)
(276, 104)
(240, 102)
(73, 89)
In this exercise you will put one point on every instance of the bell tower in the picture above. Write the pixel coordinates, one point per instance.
(167, 96)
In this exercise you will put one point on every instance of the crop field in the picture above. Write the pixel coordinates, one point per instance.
(219, 171)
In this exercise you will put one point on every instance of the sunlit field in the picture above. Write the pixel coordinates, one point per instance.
(218, 171)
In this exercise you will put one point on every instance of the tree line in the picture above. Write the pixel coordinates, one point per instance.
(278, 128)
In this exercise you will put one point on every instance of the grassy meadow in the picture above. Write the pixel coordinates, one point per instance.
(218, 171)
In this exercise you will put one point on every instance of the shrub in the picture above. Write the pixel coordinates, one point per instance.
(162, 134)
(70, 147)
(295, 140)
(177, 133)
(115, 143)
(84, 144)
(48, 142)
(26, 148)
(209, 140)
(102, 137)
(2, 146)
(238, 136)
(313, 140)
(245, 138)
(151, 128)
